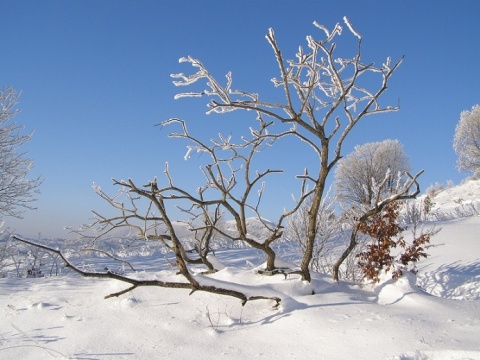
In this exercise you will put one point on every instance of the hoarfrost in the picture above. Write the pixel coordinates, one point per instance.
(350, 27)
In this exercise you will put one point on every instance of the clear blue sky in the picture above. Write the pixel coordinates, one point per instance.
(95, 79)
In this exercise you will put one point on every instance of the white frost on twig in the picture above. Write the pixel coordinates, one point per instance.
(187, 155)
(350, 27)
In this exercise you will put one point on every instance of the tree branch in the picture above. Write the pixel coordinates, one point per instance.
(195, 286)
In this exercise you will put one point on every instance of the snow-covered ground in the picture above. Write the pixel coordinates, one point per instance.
(67, 317)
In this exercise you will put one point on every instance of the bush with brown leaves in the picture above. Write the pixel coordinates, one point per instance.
(385, 233)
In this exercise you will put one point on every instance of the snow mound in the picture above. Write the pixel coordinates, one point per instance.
(391, 291)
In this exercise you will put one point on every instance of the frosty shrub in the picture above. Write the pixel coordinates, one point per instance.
(416, 212)
(19, 259)
(466, 141)
(434, 189)
(6, 253)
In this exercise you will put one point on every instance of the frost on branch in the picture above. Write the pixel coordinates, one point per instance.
(350, 27)
(214, 88)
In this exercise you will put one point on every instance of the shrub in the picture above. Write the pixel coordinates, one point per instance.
(385, 232)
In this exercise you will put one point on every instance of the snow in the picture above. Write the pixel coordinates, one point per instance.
(435, 315)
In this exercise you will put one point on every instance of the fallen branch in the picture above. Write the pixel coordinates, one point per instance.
(138, 283)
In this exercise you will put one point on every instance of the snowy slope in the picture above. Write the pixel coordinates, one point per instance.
(453, 268)
(458, 198)
(67, 317)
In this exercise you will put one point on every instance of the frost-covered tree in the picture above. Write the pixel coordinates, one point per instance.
(466, 141)
(357, 173)
(324, 99)
(17, 191)
(325, 93)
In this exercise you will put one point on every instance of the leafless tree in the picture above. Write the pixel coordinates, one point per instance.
(324, 101)
(17, 191)
(232, 187)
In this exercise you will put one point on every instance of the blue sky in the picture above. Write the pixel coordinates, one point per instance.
(95, 80)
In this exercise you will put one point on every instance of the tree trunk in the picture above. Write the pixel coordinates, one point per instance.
(348, 251)
(270, 258)
(312, 217)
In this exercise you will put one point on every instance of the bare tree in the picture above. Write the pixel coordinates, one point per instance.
(324, 101)
(466, 141)
(16, 189)
(358, 173)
